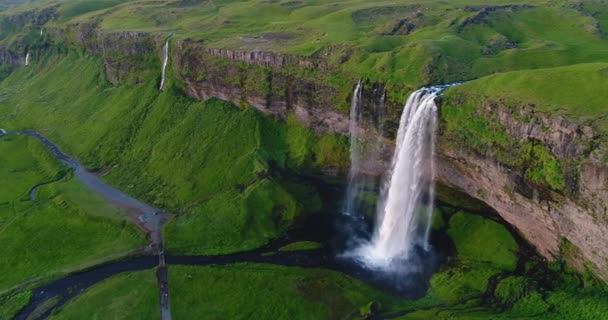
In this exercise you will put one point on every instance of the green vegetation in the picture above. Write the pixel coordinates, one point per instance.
(301, 245)
(542, 91)
(258, 291)
(64, 229)
(232, 176)
(132, 295)
(461, 282)
(539, 292)
(511, 289)
(208, 161)
(466, 127)
(484, 249)
(11, 303)
(482, 240)
(542, 166)
(545, 91)
(559, 304)
(404, 45)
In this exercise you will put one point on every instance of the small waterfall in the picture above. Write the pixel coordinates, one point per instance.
(165, 61)
(403, 216)
(355, 153)
(352, 224)
(27, 59)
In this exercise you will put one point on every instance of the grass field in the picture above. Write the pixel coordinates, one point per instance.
(582, 100)
(207, 161)
(258, 291)
(66, 228)
(132, 295)
(12, 302)
(448, 41)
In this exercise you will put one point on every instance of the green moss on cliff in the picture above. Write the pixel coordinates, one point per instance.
(541, 166)
(470, 124)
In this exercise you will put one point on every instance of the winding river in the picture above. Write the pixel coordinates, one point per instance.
(55, 294)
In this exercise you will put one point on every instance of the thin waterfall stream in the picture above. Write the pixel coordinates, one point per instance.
(165, 62)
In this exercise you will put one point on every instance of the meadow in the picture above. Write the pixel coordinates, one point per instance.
(172, 151)
(66, 228)
(131, 295)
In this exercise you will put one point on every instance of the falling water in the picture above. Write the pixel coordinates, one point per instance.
(403, 217)
(165, 61)
(355, 153)
(27, 58)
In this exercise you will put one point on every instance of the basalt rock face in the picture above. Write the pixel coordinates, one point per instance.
(577, 214)
(14, 30)
(35, 18)
(11, 58)
(272, 83)
(129, 57)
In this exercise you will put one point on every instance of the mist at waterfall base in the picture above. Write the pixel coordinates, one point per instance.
(394, 249)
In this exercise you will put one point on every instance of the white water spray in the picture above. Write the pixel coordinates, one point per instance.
(165, 61)
(403, 220)
(27, 59)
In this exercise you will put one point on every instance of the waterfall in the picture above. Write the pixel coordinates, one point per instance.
(355, 153)
(27, 58)
(352, 223)
(165, 61)
(403, 217)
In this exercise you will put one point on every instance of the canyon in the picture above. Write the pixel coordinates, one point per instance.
(279, 85)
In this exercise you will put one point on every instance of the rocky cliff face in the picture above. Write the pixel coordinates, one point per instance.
(36, 18)
(272, 83)
(549, 219)
(14, 39)
(11, 58)
(129, 57)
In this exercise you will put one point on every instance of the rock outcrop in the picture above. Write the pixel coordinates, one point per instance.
(129, 57)
(272, 83)
(547, 218)
(36, 18)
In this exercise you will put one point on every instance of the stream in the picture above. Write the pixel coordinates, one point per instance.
(56, 293)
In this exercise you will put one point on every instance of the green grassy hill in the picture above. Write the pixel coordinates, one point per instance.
(406, 43)
(234, 178)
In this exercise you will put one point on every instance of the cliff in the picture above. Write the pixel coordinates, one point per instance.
(128, 56)
(19, 34)
(558, 201)
(545, 175)
(272, 83)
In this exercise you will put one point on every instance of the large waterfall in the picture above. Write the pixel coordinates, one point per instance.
(27, 59)
(165, 61)
(405, 207)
